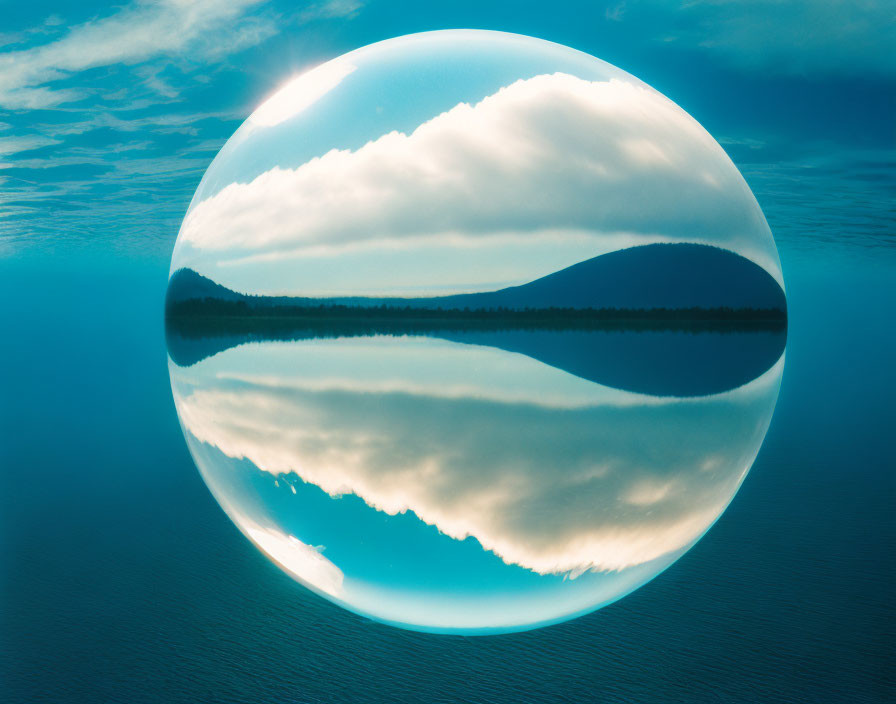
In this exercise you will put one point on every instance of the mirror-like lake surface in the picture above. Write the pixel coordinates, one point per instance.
(123, 580)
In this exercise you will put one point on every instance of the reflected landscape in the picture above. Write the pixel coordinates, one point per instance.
(488, 359)
(457, 485)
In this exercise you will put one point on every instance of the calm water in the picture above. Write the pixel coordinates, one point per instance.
(123, 580)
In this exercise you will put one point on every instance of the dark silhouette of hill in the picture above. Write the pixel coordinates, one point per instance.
(187, 285)
(651, 277)
(675, 360)
(670, 276)
(728, 316)
(655, 362)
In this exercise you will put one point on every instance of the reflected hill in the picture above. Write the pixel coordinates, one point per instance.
(660, 362)
(655, 362)
(413, 478)
(667, 320)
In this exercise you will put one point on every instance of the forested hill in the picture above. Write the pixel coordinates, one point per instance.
(651, 277)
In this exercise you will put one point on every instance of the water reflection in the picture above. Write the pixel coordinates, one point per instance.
(476, 481)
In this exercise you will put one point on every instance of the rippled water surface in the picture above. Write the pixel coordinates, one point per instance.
(124, 581)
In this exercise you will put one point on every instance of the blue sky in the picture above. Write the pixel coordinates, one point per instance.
(109, 114)
(458, 161)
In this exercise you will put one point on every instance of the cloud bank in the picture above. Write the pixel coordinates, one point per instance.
(554, 161)
(136, 33)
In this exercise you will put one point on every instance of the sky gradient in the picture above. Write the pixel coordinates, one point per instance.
(109, 116)
(456, 162)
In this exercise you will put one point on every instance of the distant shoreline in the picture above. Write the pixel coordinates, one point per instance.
(199, 318)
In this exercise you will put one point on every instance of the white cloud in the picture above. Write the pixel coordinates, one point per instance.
(330, 9)
(24, 143)
(846, 37)
(553, 156)
(164, 123)
(138, 32)
(557, 490)
(143, 30)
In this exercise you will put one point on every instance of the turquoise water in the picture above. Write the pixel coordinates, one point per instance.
(122, 579)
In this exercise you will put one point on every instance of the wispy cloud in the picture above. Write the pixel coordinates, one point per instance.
(329, 9)
(123, 99)
(845, 37)
(160, 123)
(137, 33)
(24, 143)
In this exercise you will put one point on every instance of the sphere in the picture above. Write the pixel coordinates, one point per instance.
(472, 333)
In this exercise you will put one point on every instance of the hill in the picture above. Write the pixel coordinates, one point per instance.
(660, 276)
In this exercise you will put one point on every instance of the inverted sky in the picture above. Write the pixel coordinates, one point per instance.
(452, 486)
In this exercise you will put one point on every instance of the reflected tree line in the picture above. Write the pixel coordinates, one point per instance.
(243, 315)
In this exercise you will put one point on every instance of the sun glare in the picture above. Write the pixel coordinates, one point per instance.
(301, 92)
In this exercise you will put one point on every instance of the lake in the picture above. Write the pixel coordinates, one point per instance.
(124, 581)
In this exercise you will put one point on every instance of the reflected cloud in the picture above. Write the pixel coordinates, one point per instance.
(523, 164)
(605, 481)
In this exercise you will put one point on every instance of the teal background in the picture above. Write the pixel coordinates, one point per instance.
(121, 580)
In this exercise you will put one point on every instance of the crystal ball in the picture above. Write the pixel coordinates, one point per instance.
(471, 332)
